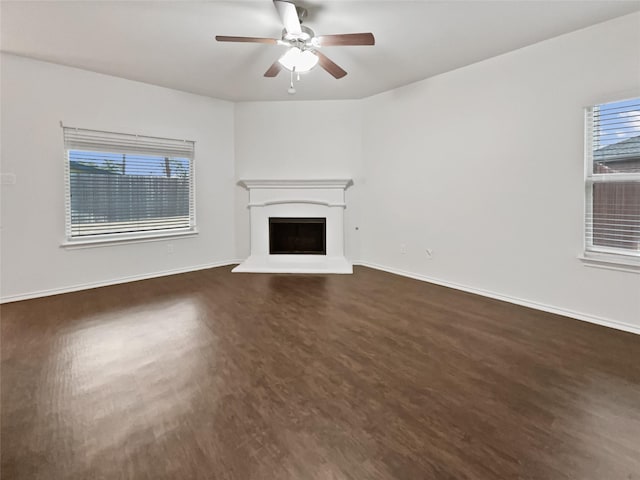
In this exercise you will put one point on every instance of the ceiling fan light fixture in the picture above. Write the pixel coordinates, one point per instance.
(298, 60)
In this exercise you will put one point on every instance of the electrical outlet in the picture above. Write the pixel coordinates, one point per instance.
(170, 248)
(403, 248)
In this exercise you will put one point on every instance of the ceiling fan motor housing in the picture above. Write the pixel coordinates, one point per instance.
(304, 36)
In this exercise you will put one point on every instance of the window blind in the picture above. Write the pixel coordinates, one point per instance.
(93, 140)
(125, 184)
(612, 218)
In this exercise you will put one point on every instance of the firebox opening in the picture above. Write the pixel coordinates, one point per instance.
(297, 236)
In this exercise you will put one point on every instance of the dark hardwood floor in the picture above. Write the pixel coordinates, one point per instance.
(213, 375)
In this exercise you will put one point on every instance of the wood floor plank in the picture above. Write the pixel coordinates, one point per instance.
(213, 375)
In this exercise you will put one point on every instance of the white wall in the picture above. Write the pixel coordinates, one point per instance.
(36, 96)
(484, 165)
(299, 140)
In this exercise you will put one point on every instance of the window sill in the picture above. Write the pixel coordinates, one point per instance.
(611, 262)
(111, 240)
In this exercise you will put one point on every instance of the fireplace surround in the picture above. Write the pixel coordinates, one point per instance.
(309, 217)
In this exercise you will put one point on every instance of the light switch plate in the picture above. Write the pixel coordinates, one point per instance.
(8, 178)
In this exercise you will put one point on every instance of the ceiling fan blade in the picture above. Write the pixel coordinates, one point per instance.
(223, 38)
(273, 69)
(346, 39)
(329, 65)
(289, 16)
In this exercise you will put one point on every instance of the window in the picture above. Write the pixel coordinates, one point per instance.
(612, 219)
(120, 186)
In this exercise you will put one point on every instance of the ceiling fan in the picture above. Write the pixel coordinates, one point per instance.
(303, 53)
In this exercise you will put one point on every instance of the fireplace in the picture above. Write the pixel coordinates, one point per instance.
(297, 236)
(297, 226)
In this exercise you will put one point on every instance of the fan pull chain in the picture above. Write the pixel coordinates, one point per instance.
(292, 90)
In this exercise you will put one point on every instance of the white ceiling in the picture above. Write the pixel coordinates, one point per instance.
(171, 43)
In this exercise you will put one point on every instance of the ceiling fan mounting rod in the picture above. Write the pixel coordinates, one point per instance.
(302, 13)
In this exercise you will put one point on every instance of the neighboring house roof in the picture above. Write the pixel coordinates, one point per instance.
(80, 167)
(628, 149)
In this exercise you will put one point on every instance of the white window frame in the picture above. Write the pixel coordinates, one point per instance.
(138, 144)
(604, 257)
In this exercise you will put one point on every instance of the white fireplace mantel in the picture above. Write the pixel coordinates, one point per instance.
(295, 199)
(316, 183)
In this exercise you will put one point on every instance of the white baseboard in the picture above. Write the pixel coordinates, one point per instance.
(115, 281)
(505, 298)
